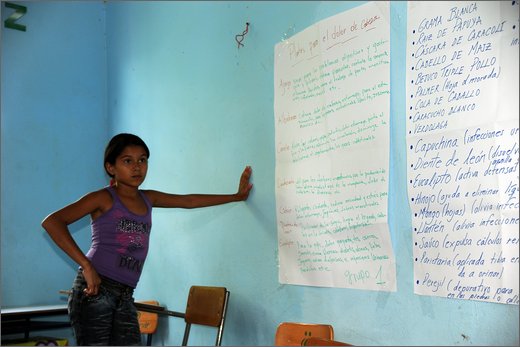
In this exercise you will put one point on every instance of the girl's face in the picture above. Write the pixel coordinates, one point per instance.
(130, 167)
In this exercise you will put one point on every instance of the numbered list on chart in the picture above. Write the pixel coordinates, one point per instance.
(462, 148)
(332, 152)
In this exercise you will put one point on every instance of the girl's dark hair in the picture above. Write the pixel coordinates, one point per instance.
(118, 143)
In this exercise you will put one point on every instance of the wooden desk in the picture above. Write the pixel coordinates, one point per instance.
(17, 320)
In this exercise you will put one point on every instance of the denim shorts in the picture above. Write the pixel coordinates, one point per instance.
(107, 319)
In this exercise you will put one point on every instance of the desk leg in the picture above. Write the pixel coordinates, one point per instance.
(27, 327)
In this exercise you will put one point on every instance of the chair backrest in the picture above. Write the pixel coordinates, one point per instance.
(148, 321)
(320, 341)
(206, 306)
(292, 334)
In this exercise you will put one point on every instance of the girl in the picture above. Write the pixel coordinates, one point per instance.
(101, 305)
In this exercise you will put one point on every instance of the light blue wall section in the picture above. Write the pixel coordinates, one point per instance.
(205, 108)
(54, 128)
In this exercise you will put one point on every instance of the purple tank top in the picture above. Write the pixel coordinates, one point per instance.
(120, 241)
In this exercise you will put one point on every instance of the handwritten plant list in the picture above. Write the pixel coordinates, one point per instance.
(462, 137)
(331, 108)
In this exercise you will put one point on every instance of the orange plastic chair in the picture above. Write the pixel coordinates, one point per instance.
(320, 341)
(148, 321)
(293, 334)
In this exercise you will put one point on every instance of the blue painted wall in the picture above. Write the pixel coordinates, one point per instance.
(54, 125)
(172, 73)
(53, 129)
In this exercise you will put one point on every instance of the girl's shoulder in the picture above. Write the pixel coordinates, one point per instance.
(101, 199)
(102, 194)
(98, 199)
(148, 193)
(153, 196)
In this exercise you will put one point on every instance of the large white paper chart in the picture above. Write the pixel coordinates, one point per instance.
(331, 105)
(462, 137)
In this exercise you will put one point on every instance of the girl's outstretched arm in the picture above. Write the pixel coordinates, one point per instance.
(160, 199)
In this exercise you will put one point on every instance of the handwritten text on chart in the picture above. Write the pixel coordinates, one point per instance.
(331, 113)
(463, 149)
(331, 37)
